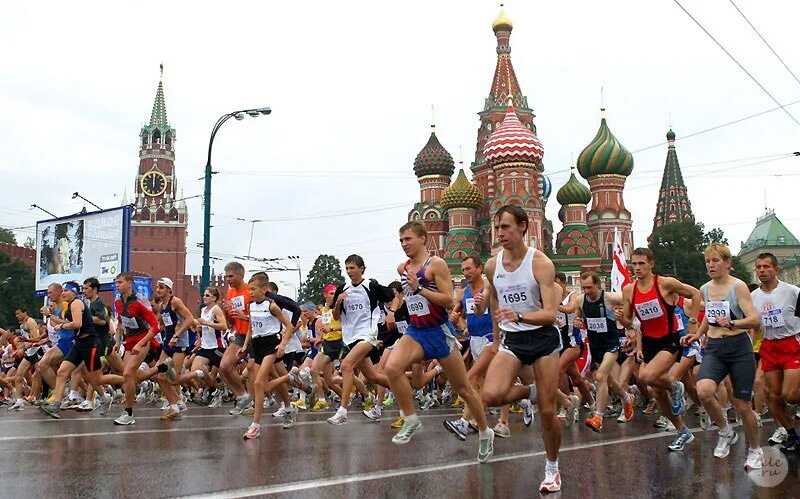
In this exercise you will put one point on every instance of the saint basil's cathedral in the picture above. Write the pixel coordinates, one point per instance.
(509, 169)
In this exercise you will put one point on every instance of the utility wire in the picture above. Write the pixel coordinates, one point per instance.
(737, 62)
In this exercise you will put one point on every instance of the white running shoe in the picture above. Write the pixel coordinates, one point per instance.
(19, 404)
(374, 414)
(572, 410)
(724, 443)
(124, 420)
(86, 406)
(502, 430)
(755, 459)
(280, 412)
(551, 482)
(338, 419)
(779, 436)
(165, 405)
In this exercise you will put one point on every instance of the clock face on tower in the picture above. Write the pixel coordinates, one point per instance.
(153, 183)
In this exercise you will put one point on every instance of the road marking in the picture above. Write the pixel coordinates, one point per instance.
(379, 475)
(121, 431)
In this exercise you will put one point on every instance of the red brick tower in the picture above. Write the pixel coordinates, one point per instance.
(158, 233)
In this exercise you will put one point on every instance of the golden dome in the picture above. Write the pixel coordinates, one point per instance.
(502, 23)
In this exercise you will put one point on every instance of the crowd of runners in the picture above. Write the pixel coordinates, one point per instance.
(508, 342)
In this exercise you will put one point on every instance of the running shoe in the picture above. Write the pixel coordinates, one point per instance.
(254, 431)
(724, 443)
(458, 403)
(86, 406)
(595, 423)
(281, 412)
(165, 405)
(572, 410)
(320, 405)
(612, 411)
(105, 404)
(249, 411)
(216, 400)
(289, 419)
(171, 414)
(447, 394)
(494, 411)
(18, 405)
(685, 436)
(51, 410)
(300, 404)
(370, 402)
(305, 376)
(678, 403)
(388, 401)
(296, 381)
(705, 419)
(406, 432)
(486, 446)
(562, 414)
(125, 419)
(502, 430)
(661, 423)
(527, 411)
(374, 414)
(651, 408)
(338, 419)
(627, 410)
(551, 482)
(515, 408)
(779, 436)
(429, 401)
(171, 374)
(70, 404)
(791, 444)
(241, 404)
(398, 423)
(458, 427)
(755, 459)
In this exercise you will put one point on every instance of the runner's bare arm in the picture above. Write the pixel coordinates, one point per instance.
(752, 317)
(670, 285)
(185, 313)
(488, 269)
(76, 307)
(614, 299)
(627, 305)
(545, 274)
(443, 296)
(571, 305)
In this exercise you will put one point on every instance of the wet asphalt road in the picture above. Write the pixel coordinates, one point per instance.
(85, 455)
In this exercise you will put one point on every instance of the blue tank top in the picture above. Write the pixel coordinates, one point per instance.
(423, 314)
(478, 325)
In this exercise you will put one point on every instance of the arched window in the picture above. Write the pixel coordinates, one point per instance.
(156, 137)
(168, 139)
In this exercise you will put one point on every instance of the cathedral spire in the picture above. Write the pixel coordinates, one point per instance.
(158, 118)
(504, 83)
(673, 200)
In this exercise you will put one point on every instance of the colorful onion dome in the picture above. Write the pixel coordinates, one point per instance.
(573, 192)
(433, 159)
(502, 23)
(605, 155)
(461, 194)
(670, 135)
(545, 186)
(512, 142)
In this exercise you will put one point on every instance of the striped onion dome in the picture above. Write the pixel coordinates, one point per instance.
(573, 192)
(512, 142)
(604, 155)
(433, 159)
(545, 186)
(461, 194)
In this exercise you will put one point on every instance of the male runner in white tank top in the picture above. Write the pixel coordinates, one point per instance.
(524, 297)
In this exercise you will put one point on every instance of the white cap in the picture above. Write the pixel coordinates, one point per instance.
(166, 281)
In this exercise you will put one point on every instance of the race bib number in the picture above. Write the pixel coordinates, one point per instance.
(258, 323)
(402, 327)
(716, 310)
(327, 318)
(130, 322)
(597, 324)
(355, 307)
(516, 296)
(679, 322)
(470, 302)
(649, 310)
(167, 318)
(561, 318)
(773, 318)
(417, 305)
(237, 303)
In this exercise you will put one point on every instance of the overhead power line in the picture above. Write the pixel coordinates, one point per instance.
(765, 41)
(737, 62)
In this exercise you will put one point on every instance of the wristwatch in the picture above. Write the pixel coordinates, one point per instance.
(519, 317)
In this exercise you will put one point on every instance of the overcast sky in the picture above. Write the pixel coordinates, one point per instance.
(351, 85)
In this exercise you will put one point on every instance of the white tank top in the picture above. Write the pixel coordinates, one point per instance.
(777, 309)
(208, 335)
(262, 322)
(294, 344)
(358, 320)
(562, 318)
(517, 290)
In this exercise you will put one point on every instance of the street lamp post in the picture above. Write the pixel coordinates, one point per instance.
(252, 230)
(77, 195)
(296, 260)
(239, 115)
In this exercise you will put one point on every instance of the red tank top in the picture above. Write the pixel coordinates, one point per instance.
(655, 314)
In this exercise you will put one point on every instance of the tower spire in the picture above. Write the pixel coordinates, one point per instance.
(673, 199)
(158, 118)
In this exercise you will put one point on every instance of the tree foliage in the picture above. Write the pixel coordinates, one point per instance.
(7, 236)
(678, 250)
(17, 290)
(326, 270)
(30, 243)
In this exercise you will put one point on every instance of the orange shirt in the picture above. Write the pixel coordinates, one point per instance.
(239, 299)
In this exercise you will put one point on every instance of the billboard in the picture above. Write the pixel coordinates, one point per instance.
(74, 248)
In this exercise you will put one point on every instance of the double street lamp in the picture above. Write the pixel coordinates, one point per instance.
(239, 115)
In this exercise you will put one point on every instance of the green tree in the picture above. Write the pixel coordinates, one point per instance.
(326, 270)
(30, 243)
(678, 249)
(17, 290)
(7, 236)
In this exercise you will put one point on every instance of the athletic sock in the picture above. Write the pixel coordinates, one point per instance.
(412, 419)
(725, 431)
(342, 411)
(483, 435)
(174, 407)
(551, 465)
(401, 413)
(532, 395)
